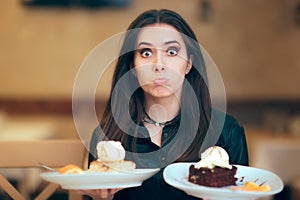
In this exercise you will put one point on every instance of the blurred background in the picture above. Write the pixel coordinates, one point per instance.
(255, 45)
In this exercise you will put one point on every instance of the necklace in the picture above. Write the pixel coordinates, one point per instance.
(149, 120)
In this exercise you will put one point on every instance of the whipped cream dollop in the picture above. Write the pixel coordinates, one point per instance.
(214, 156)
(109, 151)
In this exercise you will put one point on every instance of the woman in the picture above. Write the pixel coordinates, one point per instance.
(160, 107)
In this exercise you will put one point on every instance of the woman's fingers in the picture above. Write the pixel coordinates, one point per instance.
(99, 193)
(103, 193)
(114, 190)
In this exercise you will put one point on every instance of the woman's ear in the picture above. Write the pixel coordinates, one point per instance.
(189, 64)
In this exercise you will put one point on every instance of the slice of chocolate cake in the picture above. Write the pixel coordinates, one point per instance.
(216, 177)
(213, 169)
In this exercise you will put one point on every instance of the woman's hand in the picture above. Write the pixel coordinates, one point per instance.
(100, 194)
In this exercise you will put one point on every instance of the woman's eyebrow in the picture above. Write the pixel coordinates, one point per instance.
(172, 41)
(144, 43)
(165, 43)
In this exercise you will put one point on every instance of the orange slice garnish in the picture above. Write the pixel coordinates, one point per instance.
(252, 186)
(70, 169)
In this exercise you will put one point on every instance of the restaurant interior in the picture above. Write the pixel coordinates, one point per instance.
(43, 44)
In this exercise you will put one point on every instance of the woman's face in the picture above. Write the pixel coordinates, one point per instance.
(161, 61)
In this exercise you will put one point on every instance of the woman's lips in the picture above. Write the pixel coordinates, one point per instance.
(160, 81)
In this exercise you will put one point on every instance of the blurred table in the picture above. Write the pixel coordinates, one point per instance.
(25, 130)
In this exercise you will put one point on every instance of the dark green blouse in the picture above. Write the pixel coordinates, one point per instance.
(232, 139)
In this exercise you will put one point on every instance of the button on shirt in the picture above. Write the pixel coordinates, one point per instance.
(154, 188)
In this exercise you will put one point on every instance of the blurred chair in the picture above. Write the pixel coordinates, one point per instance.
(282, 158)
(276, 152)
(28, 154)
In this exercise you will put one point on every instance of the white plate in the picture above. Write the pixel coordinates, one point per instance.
(176, 175)
(100, 180)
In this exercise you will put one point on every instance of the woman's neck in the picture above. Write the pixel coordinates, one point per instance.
(162, 109)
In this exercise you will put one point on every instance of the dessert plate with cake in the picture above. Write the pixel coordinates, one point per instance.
(213, 178)
(110, 170)
(100, 180)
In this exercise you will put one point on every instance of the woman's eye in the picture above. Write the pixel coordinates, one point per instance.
(146, 53)
(172, 51)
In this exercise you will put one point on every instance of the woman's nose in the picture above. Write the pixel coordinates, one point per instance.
(159, 67)
(159, 64)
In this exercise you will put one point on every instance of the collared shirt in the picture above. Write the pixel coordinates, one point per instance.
(232, 139)
(148, 154)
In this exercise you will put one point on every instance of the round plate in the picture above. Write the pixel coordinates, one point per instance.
(100, 180)
(177, 175)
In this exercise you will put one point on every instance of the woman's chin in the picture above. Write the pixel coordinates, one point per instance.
(161, 92)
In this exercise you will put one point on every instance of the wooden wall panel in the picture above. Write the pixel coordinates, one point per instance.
(253, 43)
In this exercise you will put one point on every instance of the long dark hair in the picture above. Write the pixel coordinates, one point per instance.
(196, 79)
